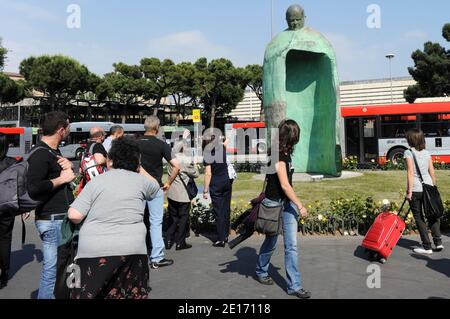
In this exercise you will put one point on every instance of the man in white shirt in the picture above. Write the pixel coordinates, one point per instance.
(115, 132)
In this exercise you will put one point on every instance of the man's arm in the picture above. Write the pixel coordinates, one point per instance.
(175, 170)
(37, 180)
(99, 154)
(100, 159)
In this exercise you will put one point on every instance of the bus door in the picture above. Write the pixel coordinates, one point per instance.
(361, 138)
(436, 128)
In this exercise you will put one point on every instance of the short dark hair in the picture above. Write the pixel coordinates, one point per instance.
(416, 139)
(3, 146)
(53, 121)
(289, 136)
(114, 129)
(125, 154)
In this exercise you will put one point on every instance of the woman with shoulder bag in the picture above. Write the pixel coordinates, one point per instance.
(279, 191)
(415, 195)
(180, 200)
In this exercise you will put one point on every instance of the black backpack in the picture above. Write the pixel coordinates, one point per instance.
(14, 197)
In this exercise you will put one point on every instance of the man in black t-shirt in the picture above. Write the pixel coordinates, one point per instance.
(48, 180)
(95, 146)
(153, 151)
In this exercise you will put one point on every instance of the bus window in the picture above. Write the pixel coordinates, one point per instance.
(396, 126)
(13, 140)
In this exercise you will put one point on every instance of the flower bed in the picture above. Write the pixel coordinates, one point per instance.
(343, 216)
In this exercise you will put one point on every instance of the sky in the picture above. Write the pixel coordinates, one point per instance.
(184, 30)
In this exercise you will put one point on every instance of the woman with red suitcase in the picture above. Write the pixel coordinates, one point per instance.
(416, 141)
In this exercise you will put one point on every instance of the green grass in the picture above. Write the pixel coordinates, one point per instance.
(380, 185)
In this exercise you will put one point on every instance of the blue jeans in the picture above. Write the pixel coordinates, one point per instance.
(290, 229)
(156, 212)
(50, 233)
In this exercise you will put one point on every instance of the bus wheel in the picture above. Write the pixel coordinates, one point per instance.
(396, 154)
(79, 153)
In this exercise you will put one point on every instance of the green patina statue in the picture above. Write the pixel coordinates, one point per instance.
(301, 83)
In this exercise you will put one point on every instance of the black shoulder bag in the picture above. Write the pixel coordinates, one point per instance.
(432, 202)
(191, 187)
(268, 220)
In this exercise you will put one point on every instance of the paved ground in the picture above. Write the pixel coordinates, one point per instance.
(332, 267)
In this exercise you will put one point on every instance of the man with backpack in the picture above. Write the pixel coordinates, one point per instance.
(95, 146)
(6, 217)
(48, 178)
(93, 162)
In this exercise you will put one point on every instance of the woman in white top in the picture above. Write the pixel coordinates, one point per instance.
(416, 141)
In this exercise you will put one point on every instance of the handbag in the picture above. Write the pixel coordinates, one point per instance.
(268, 220)
(191, 187)
(432, 202)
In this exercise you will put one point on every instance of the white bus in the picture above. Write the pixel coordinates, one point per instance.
(77, 141)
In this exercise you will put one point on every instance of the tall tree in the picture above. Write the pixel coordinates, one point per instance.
(222, 86)
(10, 90)
(162, 77)
(3, 52)
(254, 73)
(58, 78)
(125, 86)
(186, 91)
(431, 70)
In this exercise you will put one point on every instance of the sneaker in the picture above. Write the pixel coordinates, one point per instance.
(183, 246)
(265, 280)
(422, 251)
(169, 244)
(162, 263)
(219, 244)
(439, 248)
(302, 294)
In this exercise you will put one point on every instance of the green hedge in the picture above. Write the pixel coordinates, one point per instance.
(343, 216)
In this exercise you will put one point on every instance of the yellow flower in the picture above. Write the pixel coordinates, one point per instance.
(302, 222)
(166, 205)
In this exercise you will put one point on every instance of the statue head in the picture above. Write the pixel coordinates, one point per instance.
(295, 16)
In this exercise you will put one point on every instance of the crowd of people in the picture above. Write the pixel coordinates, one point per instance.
(119, 208)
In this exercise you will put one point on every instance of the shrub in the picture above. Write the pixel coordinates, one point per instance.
(350, 163)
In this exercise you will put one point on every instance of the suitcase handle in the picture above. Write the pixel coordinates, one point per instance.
(401, 209)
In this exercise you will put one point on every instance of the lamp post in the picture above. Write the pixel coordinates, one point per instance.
(390, 57)
(271, 19)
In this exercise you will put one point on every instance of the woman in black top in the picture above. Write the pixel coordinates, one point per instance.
(279, 191)
(218, 185)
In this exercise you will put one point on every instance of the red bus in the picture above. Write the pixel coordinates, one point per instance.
(378, 132)
(246, 138)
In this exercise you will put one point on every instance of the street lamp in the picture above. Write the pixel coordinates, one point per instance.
(271, 19)
(390, 57)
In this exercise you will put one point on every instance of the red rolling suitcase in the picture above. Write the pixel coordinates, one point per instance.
(384, 234)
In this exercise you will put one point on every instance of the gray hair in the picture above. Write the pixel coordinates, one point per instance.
(152, 123)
